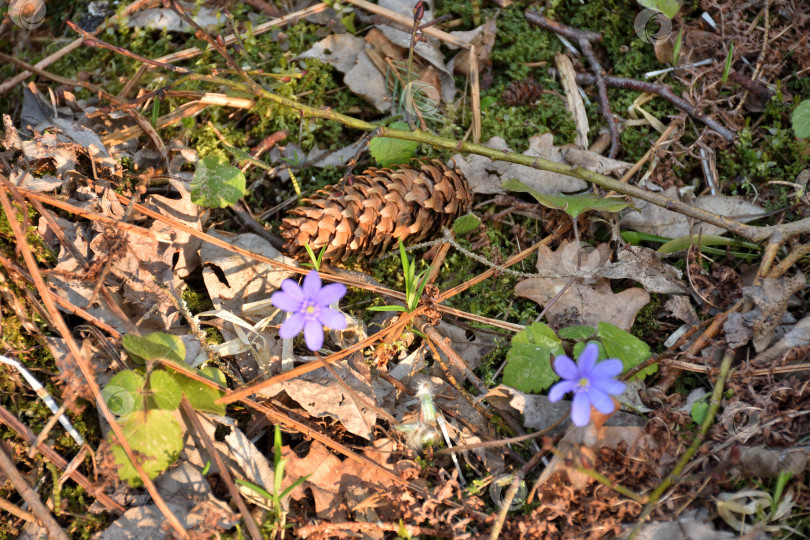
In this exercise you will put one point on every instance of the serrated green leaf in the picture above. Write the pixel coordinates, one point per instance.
(528, 362)
(156, 437)
(217, 183)
(124, 393)
(466, 224)
(622, 345)
(200, 395)
(155, 345)
(166, 392)
(669, 8)
(576, 332)
(698, 412)
(801, 119)
(387, 151)
(573, 205)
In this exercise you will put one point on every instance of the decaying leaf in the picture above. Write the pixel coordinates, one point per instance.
(771, 301)
(486, 176)
(586, 302)
(681, 308)
(659, 221)
(798, 336)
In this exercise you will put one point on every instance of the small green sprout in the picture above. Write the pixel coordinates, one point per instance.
(414, 284)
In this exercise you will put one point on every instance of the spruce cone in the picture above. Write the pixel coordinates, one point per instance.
(366, 219)
(522, 92)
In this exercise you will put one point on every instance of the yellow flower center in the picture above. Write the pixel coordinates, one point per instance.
(583, 382)
(310, 309)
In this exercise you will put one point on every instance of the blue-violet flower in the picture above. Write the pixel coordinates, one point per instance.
(309, 305)
(591, 383)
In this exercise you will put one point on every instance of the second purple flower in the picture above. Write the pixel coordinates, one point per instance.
(309, 305)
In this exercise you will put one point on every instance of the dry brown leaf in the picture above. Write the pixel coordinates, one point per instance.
(321, 395)
(586, 302)
(681, 308)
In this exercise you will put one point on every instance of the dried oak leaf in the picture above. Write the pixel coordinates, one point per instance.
(587, 301)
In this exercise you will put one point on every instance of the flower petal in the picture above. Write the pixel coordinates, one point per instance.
(313, 335)
(581, 409)
(609, 386)
(285, 302)
(312, 285)
(331, 318)
(291, 326)
(587, 359)
(607, 368)
(290, 286)
(331, 294)
(601, 400)
(560, 389)
(566, 368)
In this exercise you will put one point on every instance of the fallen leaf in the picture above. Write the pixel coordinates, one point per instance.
(486, 175)
(771, 301)
(586, 302)
(659, 221)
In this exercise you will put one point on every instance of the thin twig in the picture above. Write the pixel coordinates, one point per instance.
(666, 92)
(224, 472)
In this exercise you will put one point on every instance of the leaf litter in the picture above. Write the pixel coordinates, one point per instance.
(604, 291)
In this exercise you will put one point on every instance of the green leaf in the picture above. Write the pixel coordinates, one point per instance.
(669, 8)
(387, 308)
(487, 102)
(676, 53)
(683, 242)
(387, 151)
(466, 224)
(573, 205)
(727, 67)
(801, 119)
(636, 238)
(528, 362)
(576, 332)
(124, 393)
(201, 396)
(216, 183)
(166, 392)
(155, 345)
(699, 410)
(156, 437)
(624, 346)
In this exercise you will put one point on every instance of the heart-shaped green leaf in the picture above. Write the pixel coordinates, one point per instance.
(528, 362)
(387, 151)
(155, 345)
(217, 183)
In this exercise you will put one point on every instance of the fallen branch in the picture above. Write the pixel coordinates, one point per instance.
(666, 92)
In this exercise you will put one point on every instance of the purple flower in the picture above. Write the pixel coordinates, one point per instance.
(310, 309)
(591, 383)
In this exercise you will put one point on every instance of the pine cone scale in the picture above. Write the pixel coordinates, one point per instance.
(382, 206)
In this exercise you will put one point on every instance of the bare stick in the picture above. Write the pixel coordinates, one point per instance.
(666, 92)
(30, 496)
